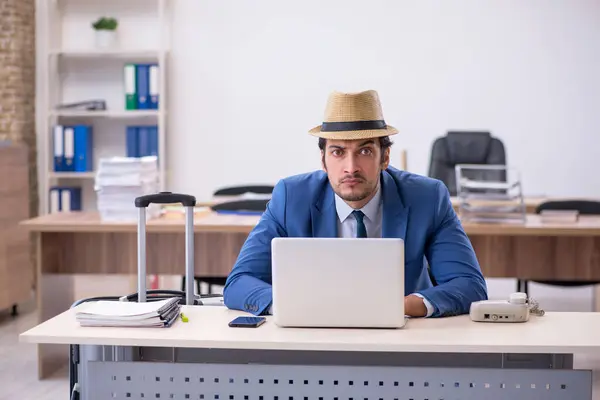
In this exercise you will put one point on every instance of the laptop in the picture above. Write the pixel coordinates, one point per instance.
(338, 282)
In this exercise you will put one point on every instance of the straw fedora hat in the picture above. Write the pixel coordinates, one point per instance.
(350, 116)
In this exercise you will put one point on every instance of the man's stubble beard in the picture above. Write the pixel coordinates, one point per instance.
(355, 196)
(368, 191)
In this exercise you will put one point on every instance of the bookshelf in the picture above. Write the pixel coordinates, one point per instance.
(95, 53)
(133, 114)
(72, 68)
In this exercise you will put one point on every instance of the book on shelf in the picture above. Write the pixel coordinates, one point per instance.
(141, 86)
(73, 148)
(161, 313)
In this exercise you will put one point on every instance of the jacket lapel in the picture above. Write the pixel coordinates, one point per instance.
(395, 214)
(324, 216)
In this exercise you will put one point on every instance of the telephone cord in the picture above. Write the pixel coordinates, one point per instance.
(534, 307)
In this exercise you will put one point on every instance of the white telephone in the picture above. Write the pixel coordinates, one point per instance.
(516, 309)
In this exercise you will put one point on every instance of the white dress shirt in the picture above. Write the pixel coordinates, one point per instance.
(372, 220)
(373, 212)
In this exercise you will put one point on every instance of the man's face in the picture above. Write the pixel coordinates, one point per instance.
(353, 168)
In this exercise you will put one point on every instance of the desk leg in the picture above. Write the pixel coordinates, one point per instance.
(54, 295)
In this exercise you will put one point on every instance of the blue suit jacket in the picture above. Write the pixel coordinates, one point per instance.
(415, 208)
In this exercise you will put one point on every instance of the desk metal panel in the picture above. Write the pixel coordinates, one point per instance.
(136, 380)
(116, 372)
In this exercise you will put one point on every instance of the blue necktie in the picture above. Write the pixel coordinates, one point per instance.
(361, 229)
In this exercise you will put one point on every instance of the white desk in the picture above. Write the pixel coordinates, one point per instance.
(429, 358)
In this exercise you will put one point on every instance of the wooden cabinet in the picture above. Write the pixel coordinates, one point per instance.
(16, 269)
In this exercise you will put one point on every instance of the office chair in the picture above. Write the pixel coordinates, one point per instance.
(242, 205)
(585, 207)
(465, 147)
(257, 206)
(239, 190)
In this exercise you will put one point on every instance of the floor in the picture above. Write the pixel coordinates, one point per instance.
(18, 367)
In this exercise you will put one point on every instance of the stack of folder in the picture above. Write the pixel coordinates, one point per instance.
(141, 140)
(141, 86)
(155, 314)
(73, 148)
(64, 199)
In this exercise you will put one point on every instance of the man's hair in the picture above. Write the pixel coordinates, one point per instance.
(384, 143)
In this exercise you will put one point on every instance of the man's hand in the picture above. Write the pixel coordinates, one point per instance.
(414, 306)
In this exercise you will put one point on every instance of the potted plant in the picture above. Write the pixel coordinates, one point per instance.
(106, 31)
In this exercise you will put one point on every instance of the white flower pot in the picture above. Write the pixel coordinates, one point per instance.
(105, 39)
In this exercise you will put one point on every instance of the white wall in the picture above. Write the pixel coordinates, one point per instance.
(248, 79)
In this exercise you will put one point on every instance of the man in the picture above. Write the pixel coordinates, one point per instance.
(359, 195)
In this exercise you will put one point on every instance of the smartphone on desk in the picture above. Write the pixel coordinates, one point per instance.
(247, 322)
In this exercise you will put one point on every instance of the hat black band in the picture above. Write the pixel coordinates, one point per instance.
(352, 126)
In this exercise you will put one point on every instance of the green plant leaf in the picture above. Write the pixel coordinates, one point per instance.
(105, 23)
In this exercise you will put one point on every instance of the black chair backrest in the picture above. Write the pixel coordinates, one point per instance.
(248, 205)
(468, 147)
(239, 190)
(585, 207)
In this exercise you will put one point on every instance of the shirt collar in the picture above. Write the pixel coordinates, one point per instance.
(371, 209)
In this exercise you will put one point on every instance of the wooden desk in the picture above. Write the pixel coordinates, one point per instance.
(207, 327)
(538, 250)
(207, 357)
(81, 243)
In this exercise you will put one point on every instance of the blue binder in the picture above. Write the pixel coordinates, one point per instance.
(54, 200)
(153, 86)
(131, 142)
(143, 140)
(59, 148)
(147, 140)
(69, 148)
(84, 149)
(143, 86)
(153, 142)
(68, 198)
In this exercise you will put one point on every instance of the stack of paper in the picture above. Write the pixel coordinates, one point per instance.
(490, 194)
(479, 203)
(160, 313)
(119, 181)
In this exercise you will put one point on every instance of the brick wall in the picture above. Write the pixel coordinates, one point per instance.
(17, 81)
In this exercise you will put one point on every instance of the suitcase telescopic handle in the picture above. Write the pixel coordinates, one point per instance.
(188, 202)
(165, 198)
